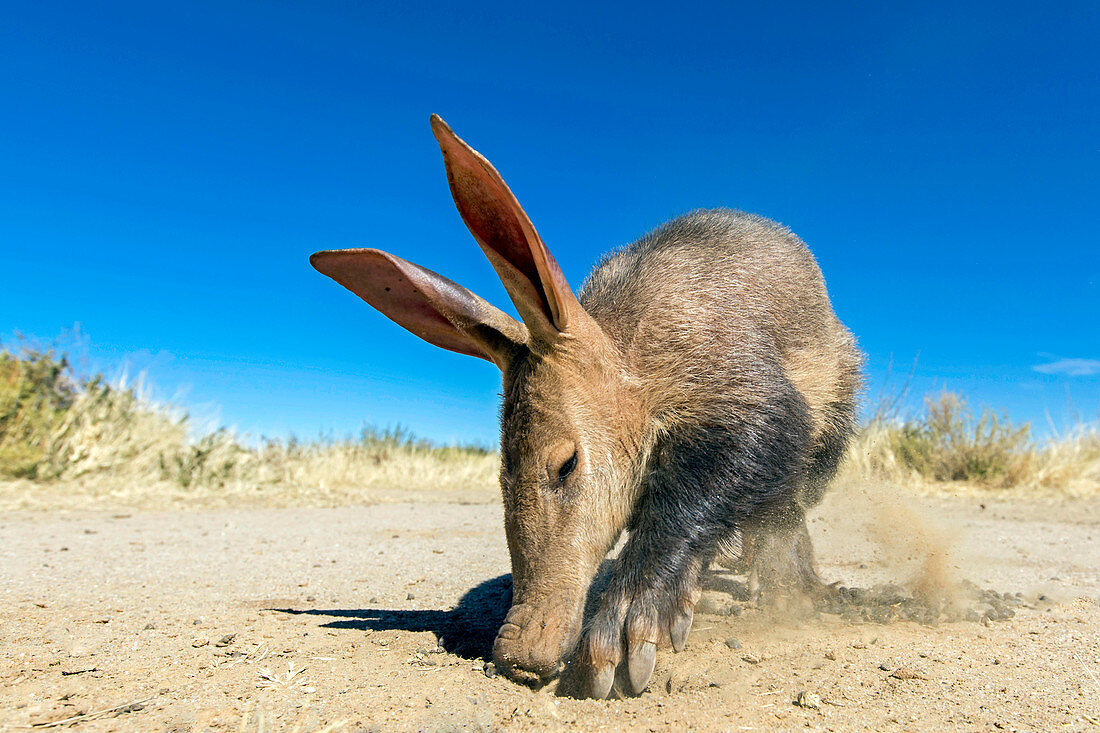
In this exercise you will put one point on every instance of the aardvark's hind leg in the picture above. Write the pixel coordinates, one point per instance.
(779, 559)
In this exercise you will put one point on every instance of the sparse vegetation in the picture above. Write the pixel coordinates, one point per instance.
(948, 446)
(61, 435)
(947, 442)
(91, 439)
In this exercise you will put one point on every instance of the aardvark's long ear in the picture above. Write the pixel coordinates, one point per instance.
(525, 266)
(429, 305)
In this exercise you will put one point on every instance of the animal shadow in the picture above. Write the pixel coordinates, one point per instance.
(467, 630)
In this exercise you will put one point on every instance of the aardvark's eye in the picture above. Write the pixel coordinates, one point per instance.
(567, 468)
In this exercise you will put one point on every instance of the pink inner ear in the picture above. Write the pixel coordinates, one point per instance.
(485, 207)
(391, 293)
(504, 231)
(385, 284)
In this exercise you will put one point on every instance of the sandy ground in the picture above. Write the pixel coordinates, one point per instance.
(380, 617)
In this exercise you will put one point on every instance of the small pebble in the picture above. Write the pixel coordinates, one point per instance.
(733, 643)
(807, 699)
(751, 659)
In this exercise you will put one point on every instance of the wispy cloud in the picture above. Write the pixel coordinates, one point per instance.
(1070, 367)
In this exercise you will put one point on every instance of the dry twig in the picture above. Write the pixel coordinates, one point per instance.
(94, 714)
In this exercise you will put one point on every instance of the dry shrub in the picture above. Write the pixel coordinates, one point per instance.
(36, 392)
(949, 447)
(950, 444)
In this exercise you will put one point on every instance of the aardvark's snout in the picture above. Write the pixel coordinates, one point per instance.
(534, 639)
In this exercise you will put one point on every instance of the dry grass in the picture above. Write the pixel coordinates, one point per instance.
(69, 442)
(84, 443)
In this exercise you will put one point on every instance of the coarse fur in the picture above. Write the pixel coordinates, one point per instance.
(705, 309)
(698, 393)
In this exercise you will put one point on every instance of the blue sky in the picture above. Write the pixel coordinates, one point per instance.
(166, 169)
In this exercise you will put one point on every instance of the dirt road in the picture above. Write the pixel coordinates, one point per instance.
(379, 618)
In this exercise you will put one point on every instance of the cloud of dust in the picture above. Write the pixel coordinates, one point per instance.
(873, 524)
